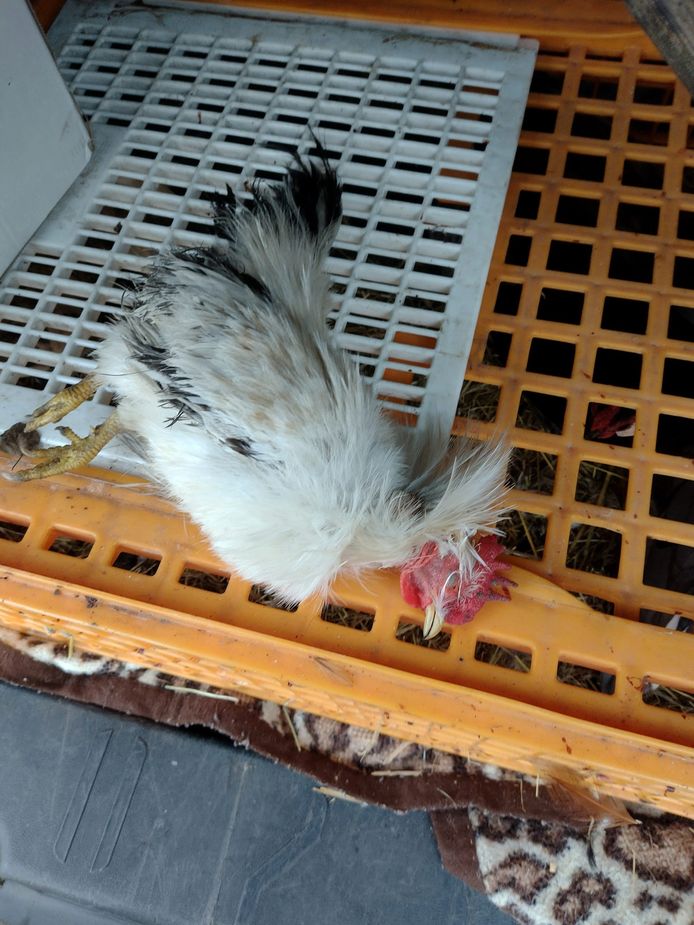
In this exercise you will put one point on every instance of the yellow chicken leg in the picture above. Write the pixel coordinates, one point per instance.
(61, 404)
(80, 451)
(56, 459)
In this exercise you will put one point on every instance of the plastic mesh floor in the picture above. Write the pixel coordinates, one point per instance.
(123, 573)
(590, 304)
(424, 132)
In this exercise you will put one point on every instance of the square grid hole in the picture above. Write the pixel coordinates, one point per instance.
(643, 174)
(532, 160)
(591, 125)
(540, 411)
(497, 348)
(683, 273)
(685, 225)
(675, 435)
(598, 87)
(12, 531)
(678, 377)
(200, 579)
(675, 699)
(669, 565)
(602, 682)
(631, 265)
(478, 400)
(259, 594)
(570, 257)
(589, 167)
(525, 533)
(508, 298)
(577, 210)
(594, 601)
(636, 217)
(681, 323)
(551, 357)
(528, 204)
(602, 484)
(533, 470)
(137, 562)
(564, 306)
(518, 250)
(617, 367)
(502, 656)
(69, 545)
(628, 315)
(594, 549)
(654, 92)
(672, 498)
(346, 616)
(610, 424)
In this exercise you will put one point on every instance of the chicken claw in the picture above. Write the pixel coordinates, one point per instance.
(78, 452)
(433, 622)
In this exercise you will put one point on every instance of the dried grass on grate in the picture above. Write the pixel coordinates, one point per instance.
(590, 549)
(669, 698)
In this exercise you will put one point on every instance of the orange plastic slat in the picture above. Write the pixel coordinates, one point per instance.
(557, 25)
(447, 699)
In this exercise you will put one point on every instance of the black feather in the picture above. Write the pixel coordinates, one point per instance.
(254, 284)
(224, 211)
(310, 195)
(241, 445)
(177, 390)
(312, 191)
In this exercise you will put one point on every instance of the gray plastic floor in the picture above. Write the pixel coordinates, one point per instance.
(105, 819)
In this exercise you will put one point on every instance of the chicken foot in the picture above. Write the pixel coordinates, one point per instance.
(59, 459)
(61, 404)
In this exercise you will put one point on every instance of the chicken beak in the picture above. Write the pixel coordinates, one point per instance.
(433, 621)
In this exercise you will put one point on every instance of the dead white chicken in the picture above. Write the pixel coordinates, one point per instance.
(260, 427)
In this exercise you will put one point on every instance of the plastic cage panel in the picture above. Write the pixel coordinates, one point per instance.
(583, 352)
(580, 355)
(422, 132)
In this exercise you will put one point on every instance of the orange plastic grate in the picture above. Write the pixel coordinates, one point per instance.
(590, 301)
(121, 572)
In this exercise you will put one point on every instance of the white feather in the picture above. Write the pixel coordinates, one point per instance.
(278, 450)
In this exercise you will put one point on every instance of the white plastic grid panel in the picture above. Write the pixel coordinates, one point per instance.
(423, 132)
